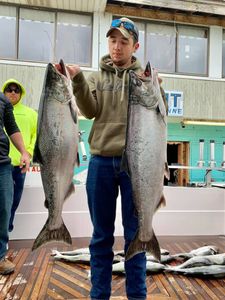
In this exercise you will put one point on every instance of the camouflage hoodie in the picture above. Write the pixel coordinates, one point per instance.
(104, 97)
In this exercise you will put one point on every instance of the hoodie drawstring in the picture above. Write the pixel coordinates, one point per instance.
(114, 88)
(123, 85)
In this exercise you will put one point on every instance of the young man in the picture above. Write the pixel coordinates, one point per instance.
(26, 119)
(7, 121)
(104, 97)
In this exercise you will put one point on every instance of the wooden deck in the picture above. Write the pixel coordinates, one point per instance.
(39, 276)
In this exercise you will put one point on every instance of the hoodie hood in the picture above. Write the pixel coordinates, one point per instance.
(11, 80)
(106, 64)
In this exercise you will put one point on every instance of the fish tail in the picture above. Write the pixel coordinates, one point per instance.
(138, 246)
(60, 234)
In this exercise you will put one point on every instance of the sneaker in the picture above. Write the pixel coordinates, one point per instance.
(6, 266)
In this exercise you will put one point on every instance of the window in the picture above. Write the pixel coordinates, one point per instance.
(192, 50)
(174, 48)
(223, 53)
(43, 36)
(140, 54)
(36, 38)
(161, 45)
(7, 32)
(74, 35)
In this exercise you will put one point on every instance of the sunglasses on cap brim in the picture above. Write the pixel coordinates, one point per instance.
(127, 25)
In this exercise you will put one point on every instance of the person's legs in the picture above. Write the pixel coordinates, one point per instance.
(18, 181)
(6, 196)
(135, 267)
(102, 192)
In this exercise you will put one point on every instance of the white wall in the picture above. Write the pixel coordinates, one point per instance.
(215, 51)
(189, 211)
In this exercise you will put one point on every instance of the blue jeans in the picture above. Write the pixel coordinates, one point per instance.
(103, 182)
(18, 182)
(6, 199)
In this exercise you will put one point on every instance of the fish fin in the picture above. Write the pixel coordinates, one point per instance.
(70, 191)
(167, 171)
(37, 158)
(73, 113)
(162, 202)
(60, 234)
(137, 246)
(78, 159)
(46, 203)
(124, 164)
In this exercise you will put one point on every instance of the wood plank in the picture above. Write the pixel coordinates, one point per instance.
(19, 261)
(218, 287)
(72, 269)
(160, 285)
(33, 276)
(54, 295)
(154, 14)
(65, 287)
(209, 294)
(45, 282)
(41, 274)
(52, 279)
(71, 279)
(173, 282)
(211, 7)
(24, 274)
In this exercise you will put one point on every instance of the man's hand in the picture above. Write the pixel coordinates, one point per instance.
(73, 70)
(24, 162)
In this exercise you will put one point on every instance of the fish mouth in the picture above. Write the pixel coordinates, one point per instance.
(62, 68)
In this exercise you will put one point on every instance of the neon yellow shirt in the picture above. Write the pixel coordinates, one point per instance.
(26, 119)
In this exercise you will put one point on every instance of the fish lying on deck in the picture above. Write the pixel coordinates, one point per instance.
(145, 157)
(198, 261)
(79, 257)
(56, 150)
(205, 250)
(214, 271)
(163, 259)
(151, 268)
(73, 252)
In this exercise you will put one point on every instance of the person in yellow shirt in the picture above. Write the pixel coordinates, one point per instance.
(26, 119)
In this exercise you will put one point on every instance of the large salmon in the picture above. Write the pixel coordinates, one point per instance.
(56, 150)
(145, 156)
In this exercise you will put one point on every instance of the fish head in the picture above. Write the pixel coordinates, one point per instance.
(142, 90)
(58, 83)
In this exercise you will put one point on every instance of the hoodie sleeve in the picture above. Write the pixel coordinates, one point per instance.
(9, 120)
(85, 94)
(33, 136)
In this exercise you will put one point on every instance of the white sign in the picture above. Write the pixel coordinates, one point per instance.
(175, 100)
(33, 176)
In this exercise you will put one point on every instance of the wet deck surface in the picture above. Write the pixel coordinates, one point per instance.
(39, 276)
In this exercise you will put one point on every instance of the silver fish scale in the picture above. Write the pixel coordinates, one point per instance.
(59, 154)
(146, 151)
(58, 147)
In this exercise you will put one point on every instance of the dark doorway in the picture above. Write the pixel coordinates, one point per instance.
(172, 159)
(177, 155)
